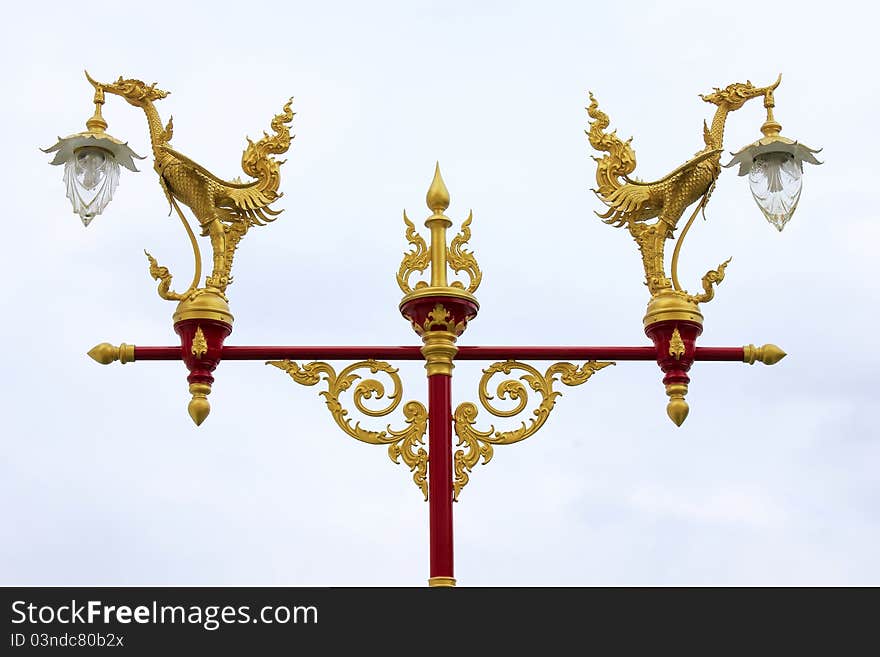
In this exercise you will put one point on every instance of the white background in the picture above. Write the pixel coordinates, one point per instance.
(773, 479)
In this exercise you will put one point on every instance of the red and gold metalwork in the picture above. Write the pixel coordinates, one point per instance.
(673, 319)
(438, 279)
(439, 313)
(403, 443)
(479, 443)
(225, 210)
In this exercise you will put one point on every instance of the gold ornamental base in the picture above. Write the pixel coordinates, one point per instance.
(204, 303)
(441, 581)
(672, 305)
(439, 291)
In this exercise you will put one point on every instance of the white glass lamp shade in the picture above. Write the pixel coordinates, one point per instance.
(775, 167)
(91, 169)
(91, 177)
(776, 182)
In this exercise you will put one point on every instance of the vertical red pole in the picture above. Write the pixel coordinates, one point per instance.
(440, 320)
(440, 479)
(439, 313)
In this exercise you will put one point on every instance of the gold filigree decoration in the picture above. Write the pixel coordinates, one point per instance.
(712, 277)
(462, 260)
(403, 444)
(415, 261)
(163, 275)
(631, 202)
(480, 443)
(199, 344)
(440, 319)
(676, 345)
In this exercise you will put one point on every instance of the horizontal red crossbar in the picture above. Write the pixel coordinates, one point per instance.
(464, 353)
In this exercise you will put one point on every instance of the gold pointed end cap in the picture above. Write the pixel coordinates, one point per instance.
(438, 196)
(199, 408)
(771, 354)
(677, 410)
(104, 353)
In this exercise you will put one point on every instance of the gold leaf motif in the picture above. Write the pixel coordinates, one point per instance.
(479, 443)
(441, 319)
(676, 345)
(199, 344)
(461, 259)
(712, 277)
(163, 275)
(414, 261)
(404, 444)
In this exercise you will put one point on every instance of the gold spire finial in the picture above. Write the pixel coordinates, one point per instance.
(439, 256)
(438, 196)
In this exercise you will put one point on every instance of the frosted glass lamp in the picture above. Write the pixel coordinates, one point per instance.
(91, 162)
(775, 167)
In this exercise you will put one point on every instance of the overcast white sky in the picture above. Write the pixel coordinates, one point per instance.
(773, 479)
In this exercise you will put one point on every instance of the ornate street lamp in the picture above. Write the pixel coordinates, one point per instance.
(775, 167)
(91, 162)
(439, 307)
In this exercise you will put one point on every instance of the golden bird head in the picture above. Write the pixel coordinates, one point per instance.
(134, 91)
(735, 95)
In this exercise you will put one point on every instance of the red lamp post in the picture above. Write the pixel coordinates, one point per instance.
(438, 309)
